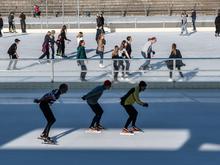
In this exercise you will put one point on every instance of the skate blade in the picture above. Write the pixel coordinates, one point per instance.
(50, 143)
(40, 138)
(93, 132)
(126, 134)
(138, 132)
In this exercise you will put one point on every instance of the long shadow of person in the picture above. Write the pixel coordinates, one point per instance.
(62, 134)
(189, 75)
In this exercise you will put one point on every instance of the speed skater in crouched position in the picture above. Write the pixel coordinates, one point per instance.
(45, 102)
(92, 99)
(127, 102)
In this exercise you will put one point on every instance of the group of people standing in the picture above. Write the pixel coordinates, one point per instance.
(92, 98)
(50, 41)
(184, 22)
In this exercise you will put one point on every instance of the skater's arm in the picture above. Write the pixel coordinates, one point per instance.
(136, 97)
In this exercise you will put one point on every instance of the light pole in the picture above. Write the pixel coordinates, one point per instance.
(47, 12)
(63, 10)
(78, 8)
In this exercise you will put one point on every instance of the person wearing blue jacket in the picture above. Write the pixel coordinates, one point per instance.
(92, 99)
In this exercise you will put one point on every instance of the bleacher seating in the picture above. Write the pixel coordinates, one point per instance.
(112, 7)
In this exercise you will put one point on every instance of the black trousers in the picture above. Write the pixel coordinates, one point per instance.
(52, 52)
(83, 69)
(0, 32)
(47, 53)
(116, 71)
(127, 66)
(97, 109)
(132, 112)
(48, 114)
(63, 48)
(23, 26)
(180, 72)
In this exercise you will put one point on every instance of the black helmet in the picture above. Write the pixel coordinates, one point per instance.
(142, 84)
(17, 40)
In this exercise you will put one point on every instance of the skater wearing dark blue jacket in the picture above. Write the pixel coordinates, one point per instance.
(44, 103)
(92, 99)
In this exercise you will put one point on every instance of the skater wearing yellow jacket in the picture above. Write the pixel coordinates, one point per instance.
(127, 102)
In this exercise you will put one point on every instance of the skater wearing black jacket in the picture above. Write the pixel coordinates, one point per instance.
(217, 25)
(23, 23)
(129, 50)
(11, 23)
(13, 55)
(1, 25)
(44, 103)
(127, 102)
(92, 99)
(62, 39)
(175, 53)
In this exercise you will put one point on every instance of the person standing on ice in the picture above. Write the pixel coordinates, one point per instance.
(44, 103)
(147, 52)
(46, 46)
(217, 25)
(193, 16)
(184, 23)
(79, 37)
(62, 40)
(1, 25)
(92, 99)
(175, 53)
(81, 57)
(127, 102)
(101, 48)
(23, 23)
(13, 55)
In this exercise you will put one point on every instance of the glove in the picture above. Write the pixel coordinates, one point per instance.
(145, 105)
(84, 98)
(153, 52)
(36, 101)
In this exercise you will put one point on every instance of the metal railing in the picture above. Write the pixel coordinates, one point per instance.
(67, 70)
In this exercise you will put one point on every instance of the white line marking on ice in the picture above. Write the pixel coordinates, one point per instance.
(70, 139)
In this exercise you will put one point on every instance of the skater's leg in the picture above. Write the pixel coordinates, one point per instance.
(49, 116)
(98, 113)
(83, 70)
(180, 72)
(129, 109)
(127, 66)
(134, 119)
(42, 56)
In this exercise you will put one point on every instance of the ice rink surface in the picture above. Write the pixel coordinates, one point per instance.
(195, 45)
(180, 127)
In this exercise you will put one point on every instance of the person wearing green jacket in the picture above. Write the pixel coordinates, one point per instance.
(127, 102)
(81, 56)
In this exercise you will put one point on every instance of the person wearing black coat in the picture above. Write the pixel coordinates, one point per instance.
(12, 52)
(1, 25)
(62, 40)
(217, 25)
(175, 53)
(11, 22)
(22, 21)
(129, 50)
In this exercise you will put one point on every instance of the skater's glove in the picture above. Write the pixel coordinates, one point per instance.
(153, 52)
(36, 101)
(145, 105)
(84, 98)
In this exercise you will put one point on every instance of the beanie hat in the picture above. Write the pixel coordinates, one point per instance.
(107, 83)
(142, 84)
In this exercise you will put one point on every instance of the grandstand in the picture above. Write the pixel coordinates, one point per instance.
(112, 7)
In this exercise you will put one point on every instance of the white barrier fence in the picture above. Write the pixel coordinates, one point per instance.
(67, 70)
